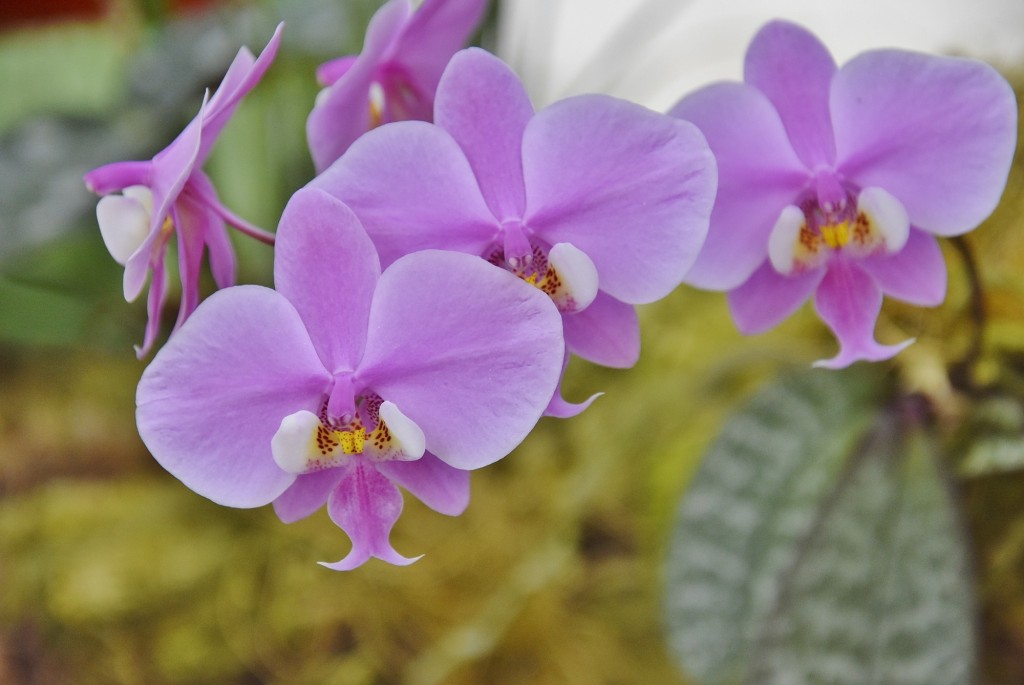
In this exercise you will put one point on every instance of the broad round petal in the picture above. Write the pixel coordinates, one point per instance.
(365, 505)
(767, 297)
(327, 267)
(607, 332)
(794, 70)
(443, 488)
(483, 105)
(630, 187)
(938, 133)
(758, 175)
(916, 274)
(849, 301)
(412, 189)
(214, 396)
(341, 114)
(467, 350)
(307, 494)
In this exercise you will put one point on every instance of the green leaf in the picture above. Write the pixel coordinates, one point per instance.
(755, 497)
(881, 592)
(817, 544)
(995, 437)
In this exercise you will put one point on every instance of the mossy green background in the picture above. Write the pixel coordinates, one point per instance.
(111, 571)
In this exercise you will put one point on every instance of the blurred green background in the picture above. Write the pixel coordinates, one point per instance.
(112, 572)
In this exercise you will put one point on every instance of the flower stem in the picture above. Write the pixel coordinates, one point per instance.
(961, 372)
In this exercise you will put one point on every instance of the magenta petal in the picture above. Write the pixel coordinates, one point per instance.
(483, 105)
(332, 70)
(214, 396)
(937, 132)
(758, 175)
(466, 350)
(111, 178)
(436, 30)
(767, 297)
(326, 266)
(192, 221)
(412, 189)
(792, 67)
(915, 274)
(631, 188)
(171, 169)
(307, 494)
(849, 301)
(366, 505)
(154, 308)
(558, 407)
(607, 332)
(443, 488)
(241, 77)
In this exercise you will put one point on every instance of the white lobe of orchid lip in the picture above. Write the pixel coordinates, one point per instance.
(408, 441)
(887, 215)
(577, 275)
(783, 237)
(124, 221)
(304, 443)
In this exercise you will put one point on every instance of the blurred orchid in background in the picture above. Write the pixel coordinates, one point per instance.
(170, 195)
(836, 181)
(394, 77)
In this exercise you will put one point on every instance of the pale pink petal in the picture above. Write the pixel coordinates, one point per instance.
(307, 494)
(758, 175)
(435, 31)
(332, 70)
(466, 350)
(443, 488)
(483, 105)
(366, 505)
(342, 111)
(849, 301)
(915, 274)
(326, 266)
(631, 188)
(607, 332)
(559, 407)
(768, 297)
(412, 189)
(791, 66)
(214, 396)
(241, 77)
(938, 133)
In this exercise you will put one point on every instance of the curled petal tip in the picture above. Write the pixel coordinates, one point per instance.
(559, 408)
(875, 353)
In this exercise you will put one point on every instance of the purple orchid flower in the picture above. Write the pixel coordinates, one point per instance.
(395, 76)
(600, 203)
(835, 181)
(170, 195)
(346, 381)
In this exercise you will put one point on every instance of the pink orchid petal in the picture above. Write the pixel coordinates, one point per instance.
(112, 178)
(441, 487)
(607, 332)
(326, 266)
(332, 70)
(307, 494)
(767, 297)
(794, 69)
(631, 188)
(192, 221)
(435, 31)
(466, 350)
(558, 407)
(154, 308)
(171, 169)
(412, 189)
(242, 76)
(366, 505)
(483, 105)
(849, 301)
(916, 274)
(342, 111)
(214, 396)
(936, 132)
(758, 175)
